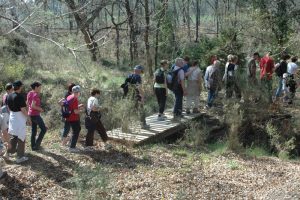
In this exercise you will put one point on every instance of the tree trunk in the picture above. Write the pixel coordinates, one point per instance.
(146, 38)
(188, 19)
(13, 13)
(198, 3)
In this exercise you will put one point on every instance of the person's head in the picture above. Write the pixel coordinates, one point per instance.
(164, 64)
(286, 57)
(256, 56)
(186, 60)
(17, 86)
(294, 59)
(138, 69)
(217, 63)
(230, 58)
(213, 58)
(9, 88)
(76, 90)
(179, 62)
(70, 86)
(235, 59)
(195, 63)
(269, 53)
(36, 86)
(95, 92)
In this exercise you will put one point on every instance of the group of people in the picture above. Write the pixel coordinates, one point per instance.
(184, 78)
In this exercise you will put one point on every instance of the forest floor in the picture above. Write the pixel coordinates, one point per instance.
(155, 171)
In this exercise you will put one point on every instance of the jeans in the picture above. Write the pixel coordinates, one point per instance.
(211, 97)
(66, 130)
(178, 102)
(17, 145)
(37, 121)
(161, 98)
(279, 89)
(76, 130)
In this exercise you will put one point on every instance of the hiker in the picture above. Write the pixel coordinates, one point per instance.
(67, 126)
(292, 67)
(179, 89)
(194, 81)
(34, 111)
(212, 82)
(266, 71)
(17, 122)
(74, 118)
(252, 66)
(93, 120)
(134, 87)
(3, 128)
(280, 70)
(186, 64)
(230, 78)
(160, 88)
(9, 89)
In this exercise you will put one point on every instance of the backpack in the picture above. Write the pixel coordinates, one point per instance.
(213, 80)
(129, 80)
(65, 108)
(279, 70)
(172, 80)
(230, 71)
(291, 83)
(159, 76)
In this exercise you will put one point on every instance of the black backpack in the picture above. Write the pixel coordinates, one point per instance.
(159, 76)
(172, 80)
(230, 68)
(129, 80)
(291, 83)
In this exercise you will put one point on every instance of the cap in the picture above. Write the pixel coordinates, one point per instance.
(17, 84)
(162, 62)
(35, 84)
(76, 88)
(8, 86)
(139, 67)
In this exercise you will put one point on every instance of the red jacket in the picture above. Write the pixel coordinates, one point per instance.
(73, 106)
(266, 67)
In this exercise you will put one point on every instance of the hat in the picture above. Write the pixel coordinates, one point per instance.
(35, 84)
(76, 88)
(17, 84)
(139, 67)
(162, 62)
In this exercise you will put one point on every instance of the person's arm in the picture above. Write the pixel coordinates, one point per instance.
(225, 73)
(35, 107)
(206, 77)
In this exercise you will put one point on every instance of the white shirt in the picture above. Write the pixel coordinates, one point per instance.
(92, 102)
(292, 68)
(194, 76)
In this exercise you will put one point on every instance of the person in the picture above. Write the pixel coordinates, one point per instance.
(186, 64)
(194, 81)
(67, 126)
(17, 122)
(266, 71)
(179, 90)
(212, 82)
(74, 118)
(280, 70)
(230, 77)
(93, 120)
(292, 67)
(160, 88)
(252, 67)
(136, 93)
(9, 89)
(34, 111)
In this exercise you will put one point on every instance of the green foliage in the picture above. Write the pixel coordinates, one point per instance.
(256, 151)
(12, 70)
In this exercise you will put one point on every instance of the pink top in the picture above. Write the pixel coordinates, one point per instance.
(33, 96)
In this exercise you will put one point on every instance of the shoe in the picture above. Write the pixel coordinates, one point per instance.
(74, 150)
(89, 148)
(145, 126)
(188, 111)
(22, 159)
(195, 111)
(108, 146)
(207, 107)
(160, 118)
(3, 176)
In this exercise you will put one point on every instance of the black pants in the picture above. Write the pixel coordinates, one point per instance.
(161, 95)
(17, 145)
(93, 124)
(76, 130)
(37, 121)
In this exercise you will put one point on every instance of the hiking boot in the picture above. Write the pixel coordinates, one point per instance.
(195, 111)
(160, 118)
(3, 176)
(145, 126)
(22, 159)
(74, 150)
(188, 111)
(207, 107)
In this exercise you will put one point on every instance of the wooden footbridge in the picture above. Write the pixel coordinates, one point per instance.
(158, 129)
